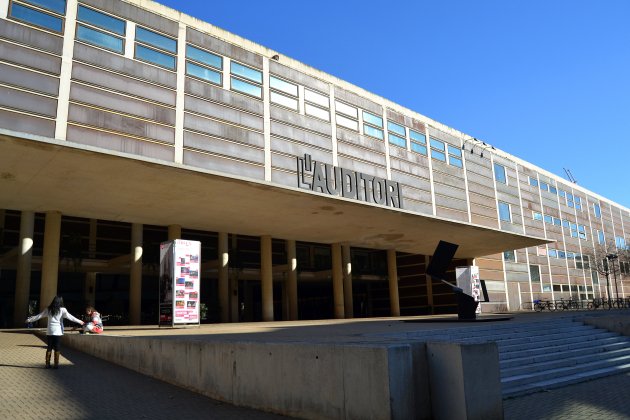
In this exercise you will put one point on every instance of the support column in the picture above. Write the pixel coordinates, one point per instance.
(392, 271)
(348, 303)
(266, 277)
(135, 275)
(224, 280)
(292, 292)
(337, 277)
(89, 292)
(23, 275)
(50, 259)
(429, 283)
(174, 232)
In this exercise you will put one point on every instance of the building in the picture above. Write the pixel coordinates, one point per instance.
(126, 123)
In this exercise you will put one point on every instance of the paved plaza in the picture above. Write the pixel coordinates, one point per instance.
(85, 387)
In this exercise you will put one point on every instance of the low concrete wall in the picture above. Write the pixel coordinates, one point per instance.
(312, 381)
(616, 323)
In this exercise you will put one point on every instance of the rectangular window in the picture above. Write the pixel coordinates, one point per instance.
(283, 93)
(101, 20)
(533, 182)
(499, 173)
(203, 73)
(600, 237)
(57, 6)
(565, 223)
(553, 190)
(597, 210)
(100, 29)
(155, 48)
(317, 112)
(347, 116)
(582, 232)
(204, 65)
(552, 253)
(534, 272)
(504, 212)
(245, 79)
(537, 216)
(316, 105)
(455, 156)
(100, 39)
(595, 277)
(372, 125)
(437, 149)
(544, 186)
(548, 219)
(557, 221)
(36, 17)
(418, 142)
(396, 134)
(509, 256)
(347, 122)
(204, 58)
(620, 242)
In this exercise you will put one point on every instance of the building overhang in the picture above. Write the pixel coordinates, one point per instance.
(41, 174)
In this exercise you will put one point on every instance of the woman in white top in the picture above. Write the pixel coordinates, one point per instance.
(55, 313)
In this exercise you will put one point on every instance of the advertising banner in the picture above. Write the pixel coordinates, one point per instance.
(468, 281)
(179, 282)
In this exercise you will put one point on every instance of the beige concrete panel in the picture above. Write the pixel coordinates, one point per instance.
(351, 137)
(480, 210)
(26, 124)
(451, 203)
(219, 164)
(509, 198)
(120, 123)
(29, 58)
(419, 166)
(406, 120)
(446, 178)
(516, 267)
(449, 191)
(293, 118)
(492, 275)
(483, 221)
(127, 105)
(294, 150)
(418, 206)
(410, 193)
(298, 77)
(101, 58)
(361, 153)
(307, 138)
(28, 80)
(119, 143)
(451, 214)
(476, 165)
(412, 181)
(223, 147)
(122, 84)
(29, 36)
(226, 114)
(140, 16)
(481, 180)
(489, 264)
(218, 94)
(484, 190)
(354, 99)
(507, 189)
(283, 178)
(223, 48)
(348, 162)
(550, 202)
(29, 102)
(220, 130)
(517, 276)
(512, 227)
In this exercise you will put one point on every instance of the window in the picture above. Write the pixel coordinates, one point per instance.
(39, 15)
(499, 173)
(557, 221)
(455, 156)
(533, 182)
(155, 48)
(544, 186)
(347, 116)
(570, 201)
(597, 210)
(582, 261)
(372, 125)
(283, 93)
(620, 242)
(418, 142)
(537, 216)
(509, 256)
(582, 232)
(204, 65)
(553, 190)
(504, 212)
(578, 203)
(600, 237)
(245, 79)
(548, 219)
(595, 277)
(316, 105)
(397, 134)
(437, 149)
(574, 231)
(534, 272)
(99, 29)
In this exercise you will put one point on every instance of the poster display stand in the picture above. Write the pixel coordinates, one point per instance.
(179, 283)
(468, 281)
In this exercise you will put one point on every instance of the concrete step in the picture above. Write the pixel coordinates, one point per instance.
(505, 350)
(563, 351)
(519, 352)
(552, 374)
(502, 336)
(562, 381)
(564, 360)
(538, 337)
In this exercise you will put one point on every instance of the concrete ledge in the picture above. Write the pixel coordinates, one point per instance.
(312, 381)
(616, 323)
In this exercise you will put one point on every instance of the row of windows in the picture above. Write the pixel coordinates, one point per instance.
(566, 197)
(577, 231)
(581, 261)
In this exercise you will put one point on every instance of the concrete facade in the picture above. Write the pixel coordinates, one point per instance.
(116, 143)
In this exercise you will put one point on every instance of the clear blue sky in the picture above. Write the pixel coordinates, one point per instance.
(547, 81)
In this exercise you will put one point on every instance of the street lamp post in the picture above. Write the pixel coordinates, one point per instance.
(611, 258)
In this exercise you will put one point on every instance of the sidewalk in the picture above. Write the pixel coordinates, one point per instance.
(88, 388)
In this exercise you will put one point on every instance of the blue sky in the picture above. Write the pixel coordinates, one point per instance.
(547, 81)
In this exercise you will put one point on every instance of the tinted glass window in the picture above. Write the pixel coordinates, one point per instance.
(397, 140)
(416, 147)
(36, 17)
(204, 57)
(155, 39)
(244, 87)
(283, 86)
(374, 132)
(419, 137)
(246, 72)
(504, 212)
(99, 38)
(101, 20)
(436, 144)
(58, 6)
(372, 119)
(155, 57)
(284, 100)
(499, 173)
(396, 128)
(203, 73)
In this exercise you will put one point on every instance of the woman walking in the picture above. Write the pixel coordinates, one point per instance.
(55, 313)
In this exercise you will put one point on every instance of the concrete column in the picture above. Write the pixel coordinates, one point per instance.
(429, 284)
(337, 277)
(233, 286)
(392, 271)
(348, 303)
(23, 275)
(50, 259)
(224, 280)
(266, 277)
(292, 292)
(174, 232)
(135, 275)
(89, 291)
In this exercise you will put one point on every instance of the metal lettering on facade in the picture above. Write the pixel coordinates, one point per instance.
(343, 182)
